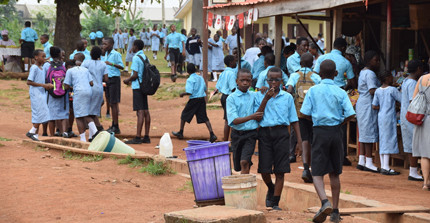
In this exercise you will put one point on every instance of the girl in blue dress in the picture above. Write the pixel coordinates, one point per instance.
(384, 102)
(217, 56)
(115, 37)
(367, 118)
(80, 79)
(155, 41)
(148, 40)
(39, 108)
(120, 41)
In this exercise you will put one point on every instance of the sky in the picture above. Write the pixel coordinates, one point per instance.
(147, 3)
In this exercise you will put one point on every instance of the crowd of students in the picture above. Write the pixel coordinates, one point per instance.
(302, 104)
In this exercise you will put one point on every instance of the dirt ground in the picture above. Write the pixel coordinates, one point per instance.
(41, 188)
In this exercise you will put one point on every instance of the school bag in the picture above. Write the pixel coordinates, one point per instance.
(302, 87)
(417, 109)
(55, 76)
(150, 78)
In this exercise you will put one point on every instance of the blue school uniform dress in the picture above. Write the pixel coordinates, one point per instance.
(244, 65)
(227, 81)
(97, 69)
(367, 118)
(155, 40)
(115, 37)
(231, 41)
(125, 37)
(342, 66)
(386, 99)
(408, 88)
(58, 107)
(130, 54)
(39, 108)
(293, 63)
(218, 56)
(258, 67)
(46, 47)
(85, 52)
(262, 78)
(148, 39)
(79, 78)
(121, 41)
(294, 77)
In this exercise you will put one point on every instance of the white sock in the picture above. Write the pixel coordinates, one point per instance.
(126, 68)
(361, 160)
(413, 172)
(386, 164)
(215, 76)
(26, 67)
(83, 139)
(32, 130)
(381, 160)
(37, 136)
(93, 129)
(369, 163)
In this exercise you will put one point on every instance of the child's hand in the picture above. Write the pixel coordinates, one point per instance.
(182, 94)
(127, 81)
(269, 93)
(257, 116)
(263, 89)
(48, 86)
(165, 57)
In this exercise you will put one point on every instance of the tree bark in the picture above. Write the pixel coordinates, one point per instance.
(68, 25)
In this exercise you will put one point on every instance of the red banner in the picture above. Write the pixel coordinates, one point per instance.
(210, 19)
(226, 20)
(241, 20)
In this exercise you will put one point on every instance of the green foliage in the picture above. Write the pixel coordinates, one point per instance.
(137, 24)
(97, 20)
(126, 160)
(168, 91)
(156, 168)
(92, 158)
(4, 139)
(41, 24)
(86, 158)
(10, 19)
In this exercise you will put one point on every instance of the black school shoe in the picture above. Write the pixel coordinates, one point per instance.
(146, 139)
(411, 178)
(32, 136)
(360, 167)
(269, 198)
(114, 129)
(57, 133)
(173, 77)
(307, 176)
(178, 135)
(371, 170)
(335, 217)
(389, 172)
(323, 212)
(71, 134)
(136, 140)
(213, 138)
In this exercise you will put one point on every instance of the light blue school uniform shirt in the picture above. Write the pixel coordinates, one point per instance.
(262, 78)
(293, 63)
(39, 107)
(174, 40)
(195, 86)
(231, 41)
(241, 104)
(99, 34)
(342, 66)
(46, 49)
(244, 65)
(408, 88)
(85, 52)
(279, 110)
(138, 66)
(327, 104)
(294, 77)
(258, 67)
(115, 58)
(183, 39)
(29, 35)
(227, 81)
(92, 35)
(79, 78)
(386, 99)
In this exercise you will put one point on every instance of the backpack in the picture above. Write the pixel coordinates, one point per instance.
(55, 76)
(417, 110)
(302, 87)
(150, 78)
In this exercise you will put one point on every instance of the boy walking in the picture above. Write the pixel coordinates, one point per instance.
(140, 101)
(300, 82)
(174, 44)
(273, 136)
(28, 37)
(329, 107)
(196, 88)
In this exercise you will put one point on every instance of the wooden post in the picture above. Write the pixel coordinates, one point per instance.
(239, 49)
(205, 43)
(328, 33)
(278, 39)
(388, 53)
(337, 24)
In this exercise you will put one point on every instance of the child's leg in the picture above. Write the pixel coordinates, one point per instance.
(140, 119)
(425, 164)
(71, 119)
(91, 126)
(386, 161)
(268, 181)
(63, 125)
(319, 187)
(226, 131)
(51, 126)
(413, 169)
(45, 128)
(80, 122)
(335, 189)
(147, 118)
(182, 125)
(244, 167)
(279, 185)
(115, 111)
(97, 122)
(368, 147)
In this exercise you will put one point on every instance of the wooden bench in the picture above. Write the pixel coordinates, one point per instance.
(378, 210)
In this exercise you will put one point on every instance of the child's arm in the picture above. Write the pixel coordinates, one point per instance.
(66, 87)
(375, 102)
(266, 98)
(298, 135)
(34, 84)
(375, 107)
(346, 120)
(183, 94)
(132, 78)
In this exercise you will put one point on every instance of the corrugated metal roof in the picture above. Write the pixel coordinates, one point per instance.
(247, 2)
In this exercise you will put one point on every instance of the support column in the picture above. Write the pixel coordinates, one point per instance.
(278, 39)
(337, 24)
(328, 32)
(205, 42)
(388, 53)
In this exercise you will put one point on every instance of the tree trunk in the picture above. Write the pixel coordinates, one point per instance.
(68, 25)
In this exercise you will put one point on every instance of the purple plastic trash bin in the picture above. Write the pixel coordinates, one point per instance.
(208, 164)
(196, 142)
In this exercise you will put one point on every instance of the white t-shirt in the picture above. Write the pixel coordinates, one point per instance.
(320, 43)
(251, 55)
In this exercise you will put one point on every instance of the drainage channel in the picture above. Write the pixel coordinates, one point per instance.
(295, 197)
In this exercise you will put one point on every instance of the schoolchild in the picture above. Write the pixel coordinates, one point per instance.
(92, 37)
(217, 56)
(298, 84)
(44, 40)
(192, 46)
(174, 44)
(225, 85)
(209, 52)
(415, 70)
(99, 74)
(80, 79)
(155, 41)
(115, 37)
(80, 48)
(243, 63)
(99, 37)
(384, 102)
(38, 87)
(28, 37)
(125, 37)
(329, 108)
(140, 100)
(148, 39)
(59, 104)
(196, 88)
(243, 118)
(259, 63)
(120, 41)
(130, 54)
(269, 63)
(273, 136)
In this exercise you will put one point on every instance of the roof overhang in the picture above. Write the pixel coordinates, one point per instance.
(184, 9)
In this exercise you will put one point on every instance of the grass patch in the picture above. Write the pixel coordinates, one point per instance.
(114, 157)
(126, 160)
(12, 93)
(86, 158)
(156, 168)
(136, 163)
(92, 158)
(1, 145)
(188, 186)
(213, 107)
(5, 139)
(40, 148)
(169, 91)
(71, 155)
(345, 192)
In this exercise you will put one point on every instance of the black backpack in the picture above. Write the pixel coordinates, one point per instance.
(150, 78)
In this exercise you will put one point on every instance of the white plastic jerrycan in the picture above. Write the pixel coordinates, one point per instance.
(166, 146)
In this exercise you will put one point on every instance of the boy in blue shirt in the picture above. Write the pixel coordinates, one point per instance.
(44, 40)
(226, 85)
(273, 137)
(99, 37)
(269, 63)
(329, 108)
(114, 64)
(140, 101)
(93, 38)
(196, 88)
(243, 119)
(174, 44)
(28, 37)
